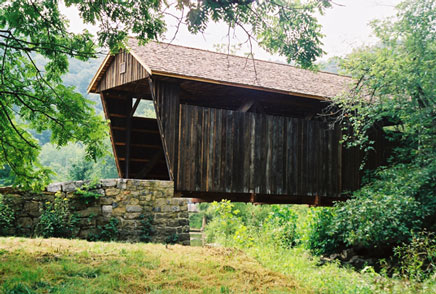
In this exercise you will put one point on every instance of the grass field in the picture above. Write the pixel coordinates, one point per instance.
(75, 266)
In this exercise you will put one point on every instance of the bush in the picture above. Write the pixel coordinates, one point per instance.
(172, 239)
(7, 217)
(384, 214)
(417, 260)
(281, 226)
(381, 215)
(225, 222)
(56, 219)
(108, 232)
(146, 230)
(377, 222)
(322, 239)
(245, 225)
(196, 219)
(87, 192)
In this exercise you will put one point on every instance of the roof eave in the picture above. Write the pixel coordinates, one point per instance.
(246, 86)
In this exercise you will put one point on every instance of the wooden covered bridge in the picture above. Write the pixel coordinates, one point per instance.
(227, 127)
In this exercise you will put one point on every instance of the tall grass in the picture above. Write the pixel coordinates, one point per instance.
(265, 243)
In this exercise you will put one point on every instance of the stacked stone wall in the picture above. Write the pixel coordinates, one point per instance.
(129, 201)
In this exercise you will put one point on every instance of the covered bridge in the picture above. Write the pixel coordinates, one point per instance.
(227, 127)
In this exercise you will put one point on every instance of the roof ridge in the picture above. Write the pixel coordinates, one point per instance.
(255, 59)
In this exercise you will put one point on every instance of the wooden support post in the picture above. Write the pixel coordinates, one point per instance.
(252, 197)
(317, 201)
(132, 112)
(107, 116)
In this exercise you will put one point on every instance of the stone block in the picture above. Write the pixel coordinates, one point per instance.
(32, 208)
(87, 222)
(83, 234)
(93, 210)
(25, 222)
(106, 210)
(54, 187)
(160, 216)
(106, 200)
(169, 231)
(133, 208)
(112, 192)
(184, 214)
(119, 211)
(71, 186)
(173, 223)
(98, 191)
(121, 197)
(122, 184)
(132, 215)
(129, 224)
(101, 220)
(134, 193)
(108, 183)
(134, 201)
(183, 222)
(184, 236)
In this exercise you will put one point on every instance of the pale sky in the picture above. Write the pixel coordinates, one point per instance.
(345, 27)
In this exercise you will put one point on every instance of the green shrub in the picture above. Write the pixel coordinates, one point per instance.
(172, 239)
(321, 238)
(225, 222)
(146, 230)
(253, 216)
(243, 236)
(243, 225)
(383, 214)
(377, 222)
(417, 259)
(87, 192)
(108, 232)
(281, 226)
(7, 217)
(196, 220)
(56, 219)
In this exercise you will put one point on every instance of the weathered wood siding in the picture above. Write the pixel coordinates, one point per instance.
(113, 77)
(229, 151)
(167, 112)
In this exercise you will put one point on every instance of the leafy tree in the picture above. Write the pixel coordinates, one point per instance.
(69, 163)
(34, 97)
(396, 92)
(330, 65)
(396, 82)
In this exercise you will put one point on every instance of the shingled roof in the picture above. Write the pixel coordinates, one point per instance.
(201, 65)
